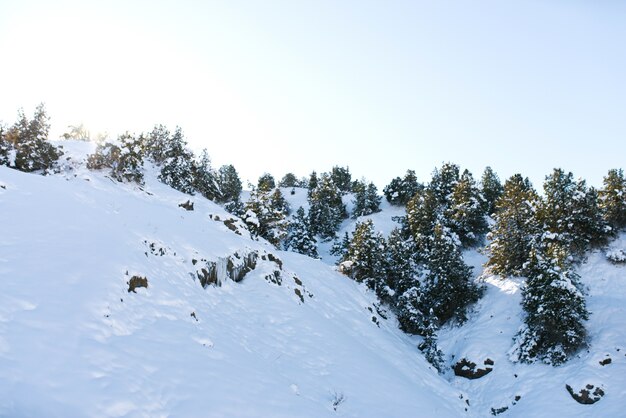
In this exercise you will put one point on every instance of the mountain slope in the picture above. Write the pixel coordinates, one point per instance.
(75, 342)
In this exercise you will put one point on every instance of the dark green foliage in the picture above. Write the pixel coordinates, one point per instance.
(514, 228)
(299, 237)
(123, 158)
(266, 183)
(447, 288)
(312, 183)
(423, 211)
(466, 213)
(263, 219)
(554, 306)
(326, 208)
(278, 202)
(289, 180)
(613, 199)
(569, 214)
(229, 184)
(342, 178)
(401, 190)
(402, 270)
(443, 182)
(156, 144)
(366, 199)
(366, 255)
(204, 177)
(25, 147)
(177, 169)
(340, 247)
(429, 347)
(491, 190)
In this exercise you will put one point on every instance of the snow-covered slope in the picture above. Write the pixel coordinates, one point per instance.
(74, 342)
(292, 339)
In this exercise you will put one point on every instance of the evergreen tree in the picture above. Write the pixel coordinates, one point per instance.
(5, 147)
(123, 157)
(299, 237)
(447, 287)
(466, 213)
(366, 254)
(229, 184)
(491, 190)
(613, 199)
(443, 182)
(590, 229)
(263, 220)
(514, 228)
(366, 199)
(326, 208)
(554, 306)
(429, 347)
(342, 178)
(400, 190)
(340, 247)
(205, 178)
(177, 170)
(423, 212)
(278, 202)
(25, 145)
(156, 144)
(312, 183)
(266, 183)
(402, 270)
(289, 180)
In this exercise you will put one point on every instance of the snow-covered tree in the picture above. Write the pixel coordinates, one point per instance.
(299, 237)
(423, 212)
(205, 177)
(447, 287)
(613, 199)
(263, 220)
(443, 182)
(25, 147)
(266, 183)
(366, 255)
(514, 228)
(342, 178)
(466, 213)
(491, 190)
(554, 306)
(366, 199)
(229, 184)
(177, 169)
(400, 190)
(312, 183)
(156, 144)
(326, 208)
(402, 270)
(340, 247)
(123, 157)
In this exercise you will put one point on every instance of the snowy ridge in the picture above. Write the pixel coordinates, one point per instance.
(290, 337)
(75, 342)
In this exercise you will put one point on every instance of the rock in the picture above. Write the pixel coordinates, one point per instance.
(188, 205)
(135, 282)
(605, 361)
(586, 396)
(467, 369)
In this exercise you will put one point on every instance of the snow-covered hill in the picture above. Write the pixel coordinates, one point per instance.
(292, 338)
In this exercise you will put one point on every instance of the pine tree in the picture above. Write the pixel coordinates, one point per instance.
(263, 220)
(339, 248)
(123, 157)
(156, 144)
(5, 147)
(402, 270)
(25, 144)
(177, 170)
(400, 190)
(266, 183)
(366, 254)
(366, 199)
(590, 229)
(312, 184)
(278, 202)
(289, 180)
(554, 306)
(342, 178)
(229, 184)
(443, 182)
(299, 237)
(423, 212)
(429, 347)
(491, 190)
(613, 199)
(447, 287)
(205, 178)
(326, 208)
(466, 213)
(514, 228)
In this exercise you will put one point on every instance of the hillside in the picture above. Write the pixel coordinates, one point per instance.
(291, 337)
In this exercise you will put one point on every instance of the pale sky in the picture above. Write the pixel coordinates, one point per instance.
(379, 86)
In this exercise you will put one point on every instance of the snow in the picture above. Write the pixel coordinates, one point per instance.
(75, 342)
